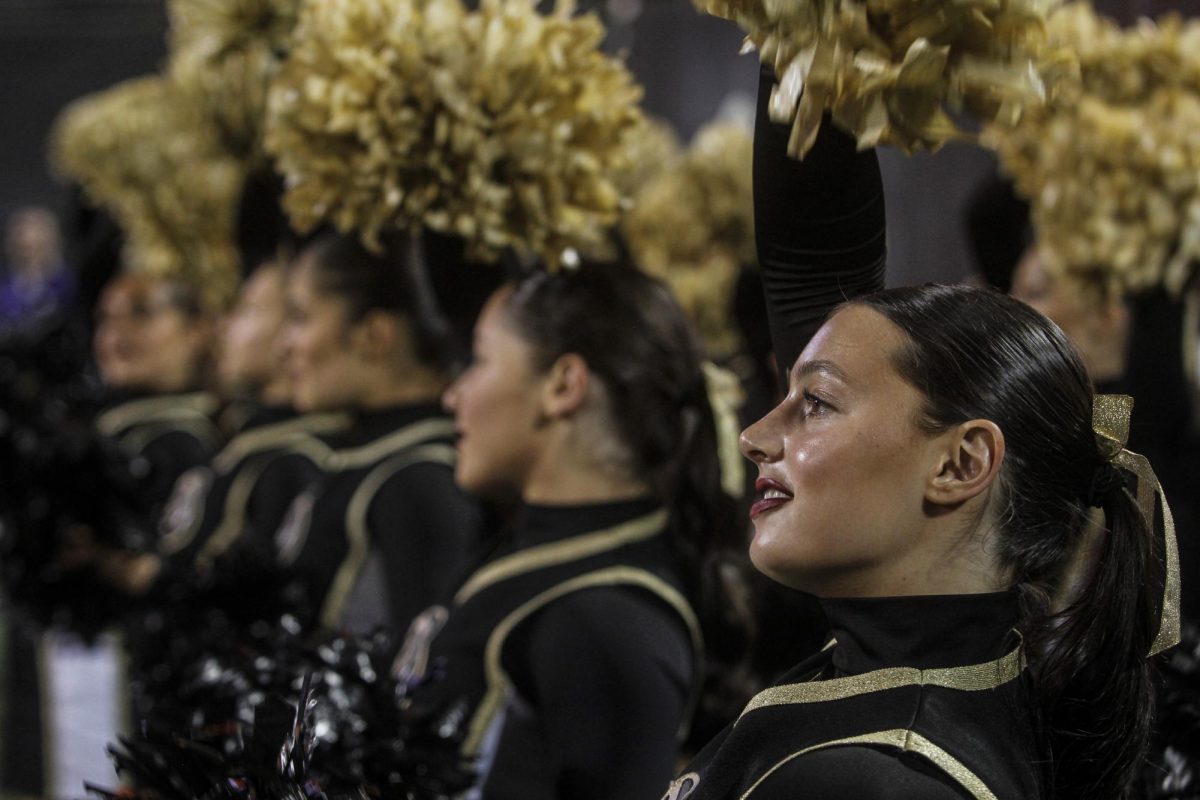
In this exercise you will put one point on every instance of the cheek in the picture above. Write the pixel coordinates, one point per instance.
(851, 488)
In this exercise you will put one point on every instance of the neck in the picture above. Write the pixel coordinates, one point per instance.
(418, 387)
(953, 562)
(276, 393)
(557, 481)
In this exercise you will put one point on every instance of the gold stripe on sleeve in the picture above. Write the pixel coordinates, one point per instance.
(971, 678)
(901, 739)
(498, 681)
(357, 533)
(572, 549)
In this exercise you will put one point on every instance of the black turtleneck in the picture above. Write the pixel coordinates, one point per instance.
(391, 473)
(919, 698)
(871, 634)
(611, 656)
(925, 632)
(598, 674)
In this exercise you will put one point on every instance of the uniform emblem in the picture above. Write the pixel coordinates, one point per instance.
(413, 661)
(293, 531)
(184, 510)
(682, 787)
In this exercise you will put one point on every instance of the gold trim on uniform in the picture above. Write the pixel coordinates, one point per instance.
(154, 409)
(576, 547)
(351, 458)
(498, 681)
(971, 678)
(358, 536)
(901, 739)
(276, 435)
(233, 521)
(294, 436)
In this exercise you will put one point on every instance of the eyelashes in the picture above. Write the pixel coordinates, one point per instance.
(815, 406)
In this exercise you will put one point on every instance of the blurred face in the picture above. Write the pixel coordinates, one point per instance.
(143, 341)
(1099, 329)
(324, 358)
(842, 464)
(251, 340)
(32, 240)
(497, 409)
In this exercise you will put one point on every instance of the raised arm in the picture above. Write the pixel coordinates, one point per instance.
(819, 225)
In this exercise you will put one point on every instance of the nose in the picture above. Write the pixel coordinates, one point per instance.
(450, 396)
(762, 442)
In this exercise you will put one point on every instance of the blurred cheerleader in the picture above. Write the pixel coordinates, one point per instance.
(930, 477)
(385, 532)
(151, 347)
(568, 665)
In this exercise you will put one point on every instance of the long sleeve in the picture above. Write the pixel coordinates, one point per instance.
(428, 534)
(857, 773)
(609, 673)
(819, 225)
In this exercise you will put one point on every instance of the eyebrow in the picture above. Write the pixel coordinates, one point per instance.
(822, 366)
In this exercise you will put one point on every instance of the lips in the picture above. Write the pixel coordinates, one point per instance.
(772, 494)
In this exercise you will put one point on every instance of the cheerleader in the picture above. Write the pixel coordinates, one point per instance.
(930, 476)
(151, 348)
(385, 532)
(568, 664)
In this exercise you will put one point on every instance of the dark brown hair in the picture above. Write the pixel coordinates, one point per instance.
(636, 339)
(978, 354)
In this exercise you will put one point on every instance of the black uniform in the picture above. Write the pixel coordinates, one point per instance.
(385, 531)
(565, 666)
(168, 434)
(245, 490)
(917, 697)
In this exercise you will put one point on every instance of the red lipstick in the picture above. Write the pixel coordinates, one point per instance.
(773, 495)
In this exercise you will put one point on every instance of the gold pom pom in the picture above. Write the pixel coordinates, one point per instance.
(143, 151)
(651, 146)
(890, 71)
(226, 52)
(502, 125)
(1112, 167)
(693, 226)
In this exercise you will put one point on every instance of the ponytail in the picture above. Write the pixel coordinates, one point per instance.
(395, 280)
(1087, 593)
(1092, 678)
(638, 343)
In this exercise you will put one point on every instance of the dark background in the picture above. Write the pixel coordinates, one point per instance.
(56, 50)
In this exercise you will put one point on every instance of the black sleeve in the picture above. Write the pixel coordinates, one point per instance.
(609, 671)
(858, 773)
(170, 455)
(819, 225)
(428, 534)
(283, 479)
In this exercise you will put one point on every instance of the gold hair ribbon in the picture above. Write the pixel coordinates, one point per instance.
(725, 396)
(1110, 421)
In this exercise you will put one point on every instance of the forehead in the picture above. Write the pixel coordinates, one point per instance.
(266, 283)
(859, 343)
(133, 289)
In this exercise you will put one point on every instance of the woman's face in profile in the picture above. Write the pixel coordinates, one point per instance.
(496, 406)
(143, 340)
(843, 466)
(323, 346)
(250, 342)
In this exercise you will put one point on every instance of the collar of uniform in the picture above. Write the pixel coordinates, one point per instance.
(370, 425)
(262, 416)
(925, 632)
(540, 523)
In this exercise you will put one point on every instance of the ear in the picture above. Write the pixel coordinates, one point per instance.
(967, 462)
(565, 386)
(377, 335)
